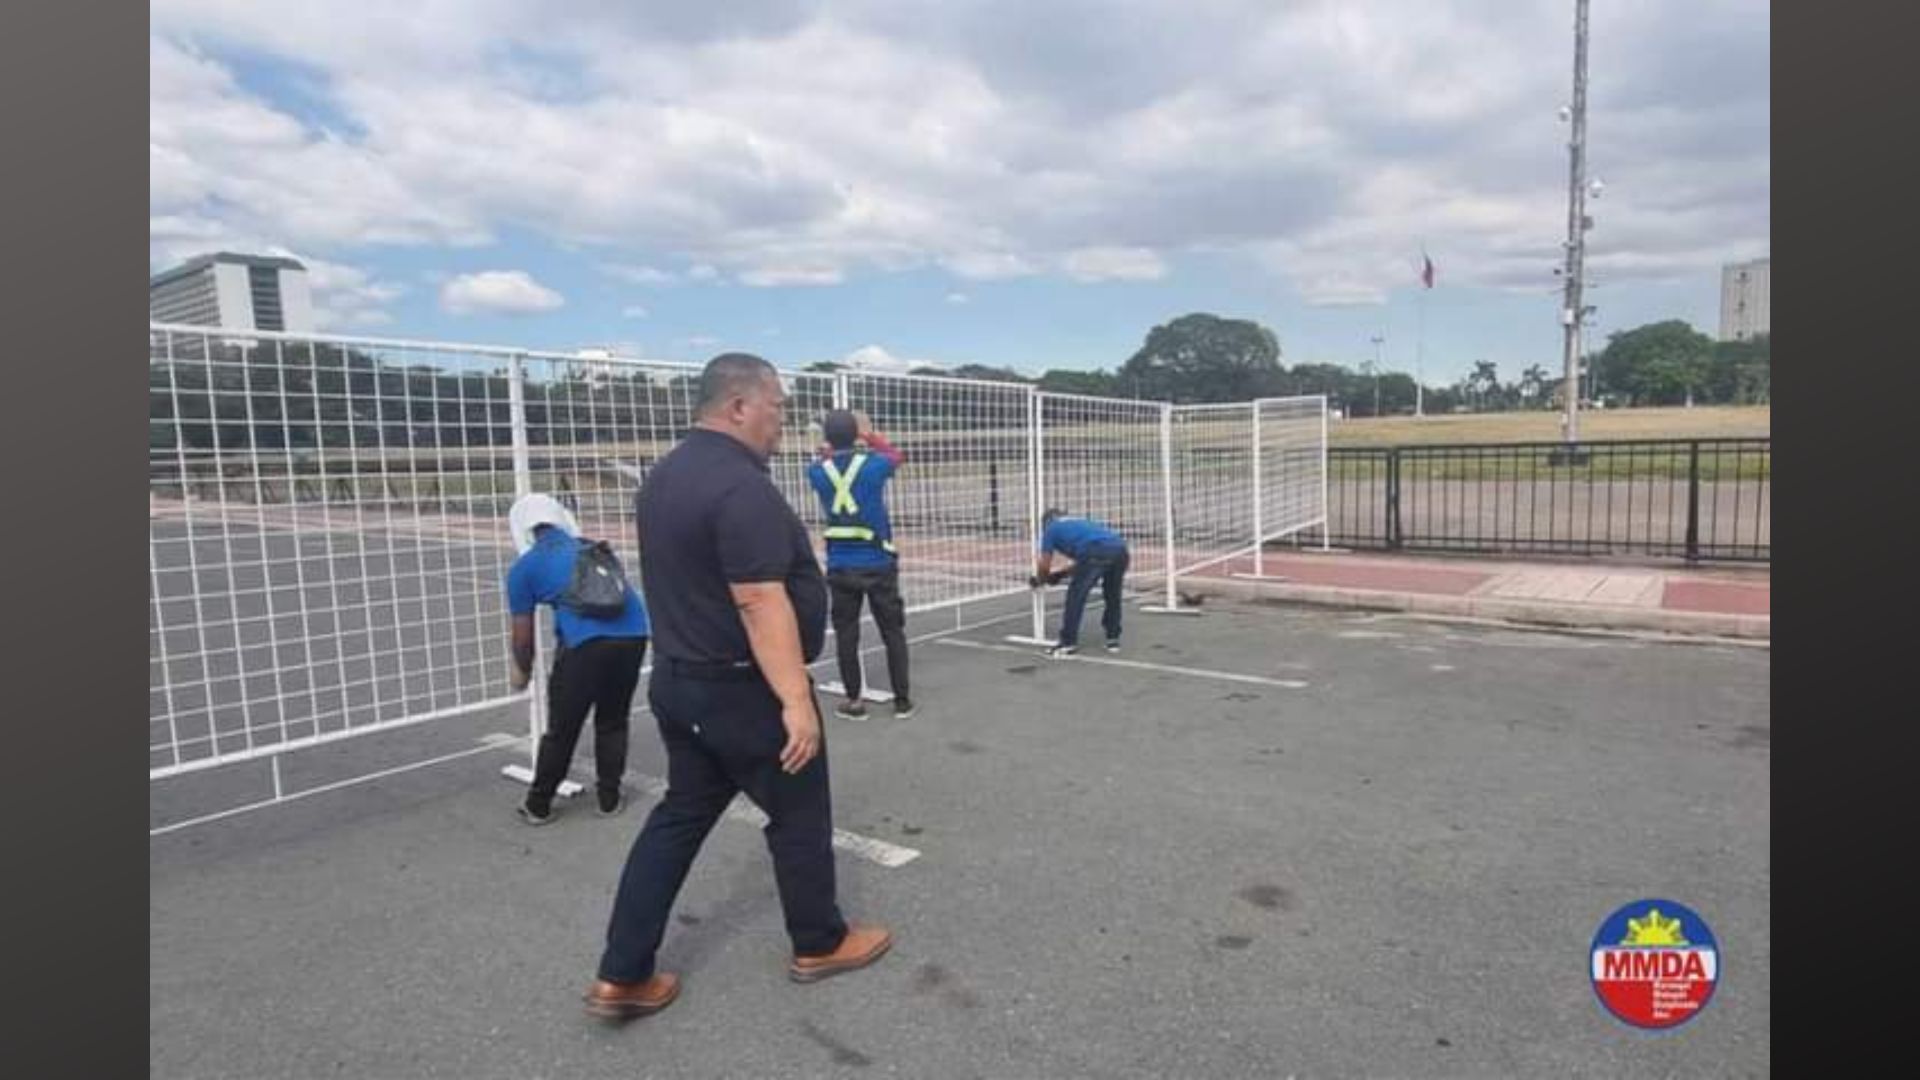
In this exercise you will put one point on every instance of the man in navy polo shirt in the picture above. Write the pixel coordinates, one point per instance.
(597, 666)
(739, 611)
(1099, 555)
(862, 565)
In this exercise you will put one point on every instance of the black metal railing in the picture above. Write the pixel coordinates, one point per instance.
(1694, 499)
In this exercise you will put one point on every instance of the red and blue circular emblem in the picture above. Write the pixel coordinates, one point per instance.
(1655, 964)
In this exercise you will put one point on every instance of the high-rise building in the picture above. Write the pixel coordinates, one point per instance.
(239, 292)
(1746, 305)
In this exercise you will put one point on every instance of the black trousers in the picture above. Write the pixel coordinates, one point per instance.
(1108, 566)
(723, 735)
(880, 587)
(598, 675)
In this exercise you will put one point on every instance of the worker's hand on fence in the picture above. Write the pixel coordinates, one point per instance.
(1034, 581)
(863, 425)
(803, 736)
(519, 679)
(1058, 576)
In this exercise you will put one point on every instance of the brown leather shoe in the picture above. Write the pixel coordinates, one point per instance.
(627, 1001)
(862, 946)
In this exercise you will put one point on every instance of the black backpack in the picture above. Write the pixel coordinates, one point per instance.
(599, 586)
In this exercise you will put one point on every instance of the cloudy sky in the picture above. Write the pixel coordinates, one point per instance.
(1026, 183)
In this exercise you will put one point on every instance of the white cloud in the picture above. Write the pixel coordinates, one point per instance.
(957, 298)
(990, 266)
(638, 275)
(347, 296)
(772, 276)
(1114, 264)
(794, 143)
(634, 311)
(702, 341)
(216, 153)
(876, 358)
(505, 292)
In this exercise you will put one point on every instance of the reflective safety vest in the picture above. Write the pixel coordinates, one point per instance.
(844, 520)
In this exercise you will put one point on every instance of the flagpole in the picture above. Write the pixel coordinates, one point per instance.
(1420, 335)
(1419, 355)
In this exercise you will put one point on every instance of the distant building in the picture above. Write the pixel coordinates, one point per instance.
(1746, 305)
(237, 292)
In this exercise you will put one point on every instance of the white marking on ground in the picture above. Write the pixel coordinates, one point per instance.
(336, 786)
(1369, 635)
(742, 810)
(1441, 667)
(1139, 665)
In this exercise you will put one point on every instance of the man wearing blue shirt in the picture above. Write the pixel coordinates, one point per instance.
(851, 480)
(1099, 555)
(597, 666)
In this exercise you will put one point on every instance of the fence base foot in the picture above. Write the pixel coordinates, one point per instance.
(867, 693)
(1260, 577)
(1023, 639)
(1162, 609)
(523, 774)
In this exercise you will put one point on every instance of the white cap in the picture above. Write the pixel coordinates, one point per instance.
(537, 509)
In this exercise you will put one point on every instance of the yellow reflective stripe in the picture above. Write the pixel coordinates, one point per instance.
(843, 502)
(849, 532)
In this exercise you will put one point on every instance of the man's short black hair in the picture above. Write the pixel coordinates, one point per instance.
(840, 427)
(730, 375)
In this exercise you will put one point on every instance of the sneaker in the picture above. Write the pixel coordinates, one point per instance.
(1113, 644)
(902, 709)
(1064, 650)
(851, 710)
(626, 1001)
(612, 802)
(862, 946)
(534, 817)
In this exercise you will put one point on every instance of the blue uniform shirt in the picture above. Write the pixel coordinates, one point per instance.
(543, 574)
(869, 493)
(1075, 537)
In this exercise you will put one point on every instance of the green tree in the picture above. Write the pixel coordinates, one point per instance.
(1202, 357)
(1397, 393)
(1482, 388)
(1099, 383)
(1661, 363)
(1533, 388)
(1740, 372)
(983, 373)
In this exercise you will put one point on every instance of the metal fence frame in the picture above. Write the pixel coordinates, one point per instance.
(1169, 476)
(1699, 500)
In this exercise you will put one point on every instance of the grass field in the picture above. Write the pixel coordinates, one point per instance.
(1667, 423)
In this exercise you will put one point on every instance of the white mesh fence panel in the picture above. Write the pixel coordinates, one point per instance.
(1103, 458)
(594, 428)
(326, 539)
(959, 503)
(1213, 484)
(1292, 465)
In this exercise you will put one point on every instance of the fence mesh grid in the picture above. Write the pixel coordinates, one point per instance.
(1292, 465)
(1213, 484)
(1104, 458)
(328, 532)
(325, 529)
(959, 503)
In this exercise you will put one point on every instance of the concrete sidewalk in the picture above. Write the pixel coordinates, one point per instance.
(1716, 602)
